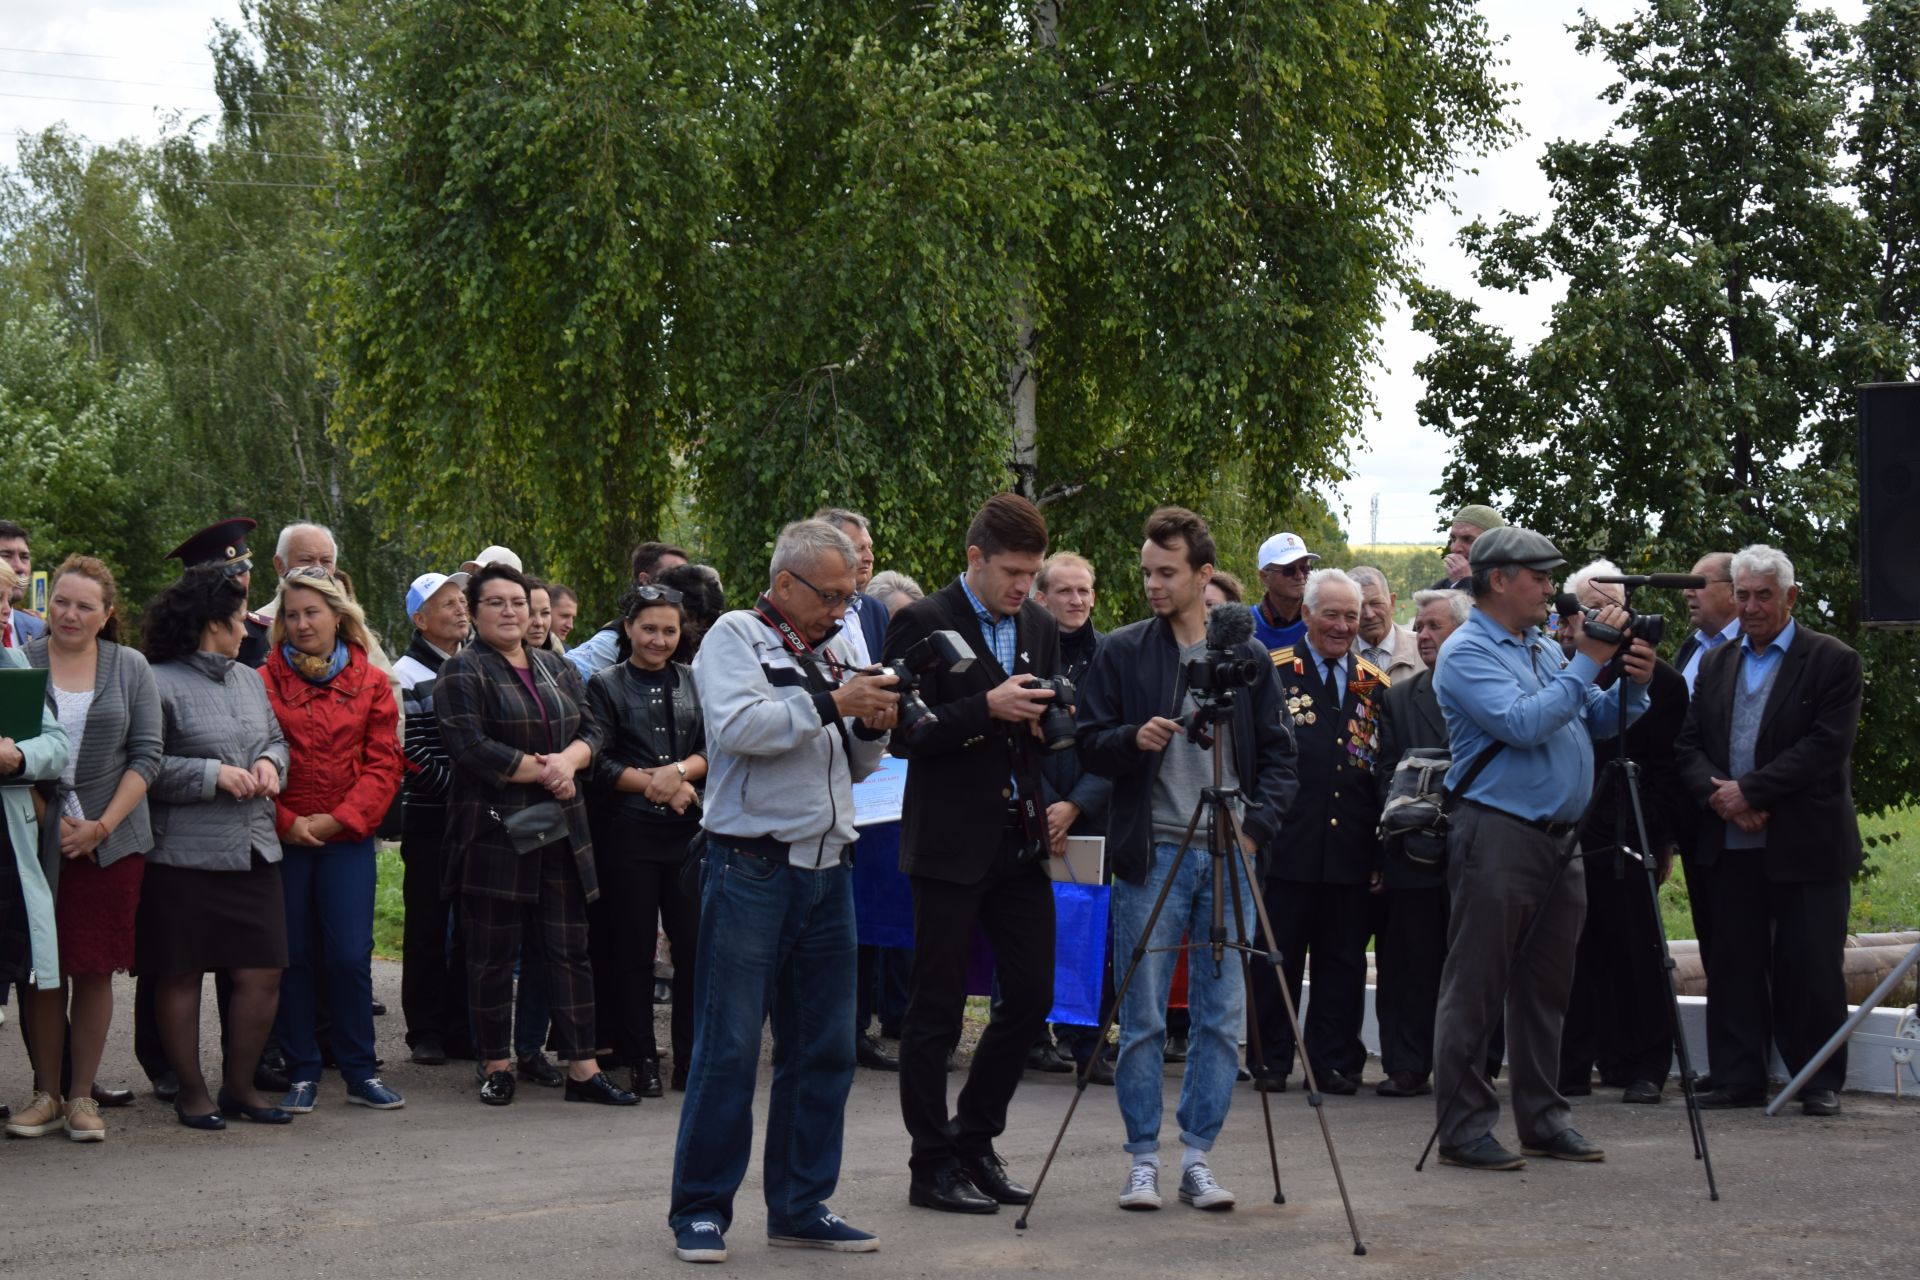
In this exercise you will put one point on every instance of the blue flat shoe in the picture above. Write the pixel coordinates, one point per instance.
(209, 1123)
(259, 1115)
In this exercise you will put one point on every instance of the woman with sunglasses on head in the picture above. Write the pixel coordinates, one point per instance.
(105, 698)
(210, 898)
(340, 722)
(516, 724)
(645, 806)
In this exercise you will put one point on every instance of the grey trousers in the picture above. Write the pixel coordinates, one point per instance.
(1499, 871)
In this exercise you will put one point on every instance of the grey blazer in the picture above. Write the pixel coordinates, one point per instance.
(214, 712)
(122, 733)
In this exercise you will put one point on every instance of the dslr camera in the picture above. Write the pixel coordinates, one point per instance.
(940, 651)
(1057, 729)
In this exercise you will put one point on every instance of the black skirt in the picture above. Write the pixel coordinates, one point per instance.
(192, 920)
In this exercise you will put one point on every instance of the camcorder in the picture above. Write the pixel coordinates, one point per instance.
(1224, 668)
(942, 651)
(1651, 627)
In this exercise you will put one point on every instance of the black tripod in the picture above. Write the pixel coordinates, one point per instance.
(1215, 805)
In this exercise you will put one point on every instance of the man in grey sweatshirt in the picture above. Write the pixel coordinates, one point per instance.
(790, 729)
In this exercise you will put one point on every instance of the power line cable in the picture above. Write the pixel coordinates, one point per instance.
(149, 84)
(105, 57)
(157, 106)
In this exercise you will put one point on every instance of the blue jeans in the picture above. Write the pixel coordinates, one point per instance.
(777, 937)
(1217, 1003)
(333, 888)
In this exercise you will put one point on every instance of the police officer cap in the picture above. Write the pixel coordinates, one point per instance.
(1508, 545)
(224, 544)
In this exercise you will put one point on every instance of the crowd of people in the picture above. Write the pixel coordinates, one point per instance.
(678, 783)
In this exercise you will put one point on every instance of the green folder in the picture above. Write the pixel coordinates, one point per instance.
(23, 697)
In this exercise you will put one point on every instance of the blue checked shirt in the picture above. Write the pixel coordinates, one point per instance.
(999, 633)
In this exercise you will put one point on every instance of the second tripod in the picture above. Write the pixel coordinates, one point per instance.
(1215, 809)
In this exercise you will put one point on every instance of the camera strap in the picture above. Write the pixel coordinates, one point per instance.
(810, 663)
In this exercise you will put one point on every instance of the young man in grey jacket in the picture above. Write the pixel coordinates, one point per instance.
(790, 729)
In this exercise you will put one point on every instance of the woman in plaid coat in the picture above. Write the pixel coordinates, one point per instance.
(516, 724)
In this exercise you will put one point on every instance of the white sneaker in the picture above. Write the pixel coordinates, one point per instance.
(1143, 1187)
(1198, 1188)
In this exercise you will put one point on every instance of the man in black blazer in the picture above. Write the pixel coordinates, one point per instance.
(1320, 867)
(972, 843)
(1768, 748)
(1411, 945)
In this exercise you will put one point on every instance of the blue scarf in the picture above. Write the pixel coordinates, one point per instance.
(316, 670)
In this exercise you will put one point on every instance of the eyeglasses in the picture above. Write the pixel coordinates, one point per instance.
(505, 604)
(831, 599)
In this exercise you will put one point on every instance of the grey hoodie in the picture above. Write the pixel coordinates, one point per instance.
(776, 765)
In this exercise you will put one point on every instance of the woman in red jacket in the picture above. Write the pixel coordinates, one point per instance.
(342, 731)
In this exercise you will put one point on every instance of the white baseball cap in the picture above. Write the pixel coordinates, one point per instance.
(427, 585)
(494, 555)
(1283, 549)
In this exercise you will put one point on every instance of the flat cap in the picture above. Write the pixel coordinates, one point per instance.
(1510, 545)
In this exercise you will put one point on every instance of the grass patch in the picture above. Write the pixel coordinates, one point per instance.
(1885, 901)
(389, 909)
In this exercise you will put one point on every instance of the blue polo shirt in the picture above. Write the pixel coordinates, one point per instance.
(1493, 685)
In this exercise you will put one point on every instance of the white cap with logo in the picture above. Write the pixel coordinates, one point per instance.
(427, 585)
(1283, 549)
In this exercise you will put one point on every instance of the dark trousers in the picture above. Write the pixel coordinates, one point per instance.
(1328, 922)
(433, 977)
(634, 893)
(1700, 907)
(1013, 905)
(494, 929)
(1777, 973)
(1618, 1016)
(882, 984)
(1501, 874)
(1410, 949)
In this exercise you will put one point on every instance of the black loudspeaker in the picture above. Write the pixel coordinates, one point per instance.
(1890, 504)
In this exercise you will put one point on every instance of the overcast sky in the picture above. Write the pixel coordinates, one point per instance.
(148, 54)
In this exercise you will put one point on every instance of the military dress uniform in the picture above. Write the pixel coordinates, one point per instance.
(1317, 869)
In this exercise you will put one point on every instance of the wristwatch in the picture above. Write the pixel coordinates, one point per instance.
(682, 767)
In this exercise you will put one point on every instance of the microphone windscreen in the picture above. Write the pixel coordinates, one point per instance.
(1682, 581)
(1229, 625)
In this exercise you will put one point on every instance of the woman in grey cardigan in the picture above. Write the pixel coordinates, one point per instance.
(211, 898)
(104, 697)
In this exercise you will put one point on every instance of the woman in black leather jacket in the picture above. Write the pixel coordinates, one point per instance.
(644, 804)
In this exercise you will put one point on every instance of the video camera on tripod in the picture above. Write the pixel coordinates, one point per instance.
(1213, 677)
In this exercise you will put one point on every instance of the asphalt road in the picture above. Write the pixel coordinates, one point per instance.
(447, 1187)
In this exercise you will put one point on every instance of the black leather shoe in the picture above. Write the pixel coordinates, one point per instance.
(212, 1122)
(1819, 1102)
(270, 1077)
(235, 1109)
(1176, 1050)
(496, 1087)
(1728, 1096)
(1336, 1082)
(949, 1191)
(1045, 1057)
(106, 1095)
(988, 1174)
(1482, 1153)
(536, 1069)
(1642, 1091)
(1581, 1088)
(1270, 1081)
(599, 1087)
(379, 1009)
(1565, 1145)
(1403, 1084)
(1102, 1070)
(868, 1052)
(429, 1053)
(646, 1079)
(166, 1086)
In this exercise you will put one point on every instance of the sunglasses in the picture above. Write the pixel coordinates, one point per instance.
(1298, 569)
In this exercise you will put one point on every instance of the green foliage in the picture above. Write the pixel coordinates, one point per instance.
(1693, 392)
(1409, 568)
(90, 467)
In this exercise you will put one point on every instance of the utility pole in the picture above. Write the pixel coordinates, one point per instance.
(1373, 534)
